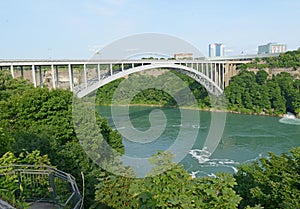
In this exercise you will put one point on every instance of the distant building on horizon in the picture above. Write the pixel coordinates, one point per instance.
(216, 50)
(188, 56)
(272, 48)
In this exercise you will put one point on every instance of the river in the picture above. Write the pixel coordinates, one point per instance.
(245, 138)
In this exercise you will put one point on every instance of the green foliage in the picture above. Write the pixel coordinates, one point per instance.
(40, 111)
(105, 93)
(167, 186)
(153, 96)
(9, 86)
(272, 183)
(261, 77)
(35, 122)
(113, 137)
(290, 59)
(254, 93)
(11, 189)
(5, 142)
(38, 119)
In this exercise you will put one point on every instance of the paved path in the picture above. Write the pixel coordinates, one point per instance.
(40, 205)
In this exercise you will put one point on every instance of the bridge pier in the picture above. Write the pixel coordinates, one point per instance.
(53, 76)
(57, 76)
(71, 77)
(211, 72)
(98, 72)
(40, 75)
(84, 75)
(22, 71)
(12, 71)
(230, 72)
(111, 69)
(216, 74)
(220, 79)
(33, 75)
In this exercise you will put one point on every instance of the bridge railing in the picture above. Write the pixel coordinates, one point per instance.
(39, 183)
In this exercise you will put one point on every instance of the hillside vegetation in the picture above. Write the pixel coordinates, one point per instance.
(36, 127)
(290, 59)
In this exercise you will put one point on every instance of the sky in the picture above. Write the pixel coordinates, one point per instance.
(75, 29)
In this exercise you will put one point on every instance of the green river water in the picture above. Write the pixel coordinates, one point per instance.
(245, 138)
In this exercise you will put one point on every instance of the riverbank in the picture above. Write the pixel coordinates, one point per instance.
(201, 109)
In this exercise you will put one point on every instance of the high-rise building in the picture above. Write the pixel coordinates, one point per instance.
(216, 50)
(272, 48)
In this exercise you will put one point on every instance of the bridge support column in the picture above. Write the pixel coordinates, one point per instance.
(22, 71)
(230, 71)
(33, 75)
(12, 71)
(214, 78)
(223, 74)
(122, 66)
(40, 75)
(111, 69)
(57, 76)
(71, 77)
(85, 75)
(219, 76)
(211, 72)
(98, 71)
(53, 76)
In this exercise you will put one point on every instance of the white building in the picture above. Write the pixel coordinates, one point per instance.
(187, 56)
(216, 50)
(272, 48)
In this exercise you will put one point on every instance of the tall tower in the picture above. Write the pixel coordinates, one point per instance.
(216, 50)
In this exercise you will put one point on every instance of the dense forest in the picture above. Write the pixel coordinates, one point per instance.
(290, 59)
(36, 127)
(152, 96)
(247, 93)
(256, 93)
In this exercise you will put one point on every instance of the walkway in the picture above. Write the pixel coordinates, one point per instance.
(40, 205)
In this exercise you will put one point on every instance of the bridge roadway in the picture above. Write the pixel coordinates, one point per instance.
(84, 76)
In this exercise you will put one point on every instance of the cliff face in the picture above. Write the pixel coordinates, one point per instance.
(275, 71)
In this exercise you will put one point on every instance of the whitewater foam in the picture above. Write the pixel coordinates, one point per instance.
(290, 121)
(204, 160)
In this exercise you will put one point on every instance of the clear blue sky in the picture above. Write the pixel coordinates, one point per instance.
(74, 28)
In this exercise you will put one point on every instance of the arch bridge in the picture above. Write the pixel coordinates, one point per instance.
(85, 76)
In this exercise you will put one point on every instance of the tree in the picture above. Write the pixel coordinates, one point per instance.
(290, 59)
(272, 183)
(6, 142)
(261, 77)
(11, 189)
(10, 86)
(41, 119)
(277, 100)
(168, 185)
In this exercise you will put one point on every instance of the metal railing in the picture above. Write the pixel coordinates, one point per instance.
(40, 183)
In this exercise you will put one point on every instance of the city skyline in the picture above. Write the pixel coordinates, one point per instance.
(76, 29)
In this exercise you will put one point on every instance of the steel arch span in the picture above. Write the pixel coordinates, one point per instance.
(83, 90)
